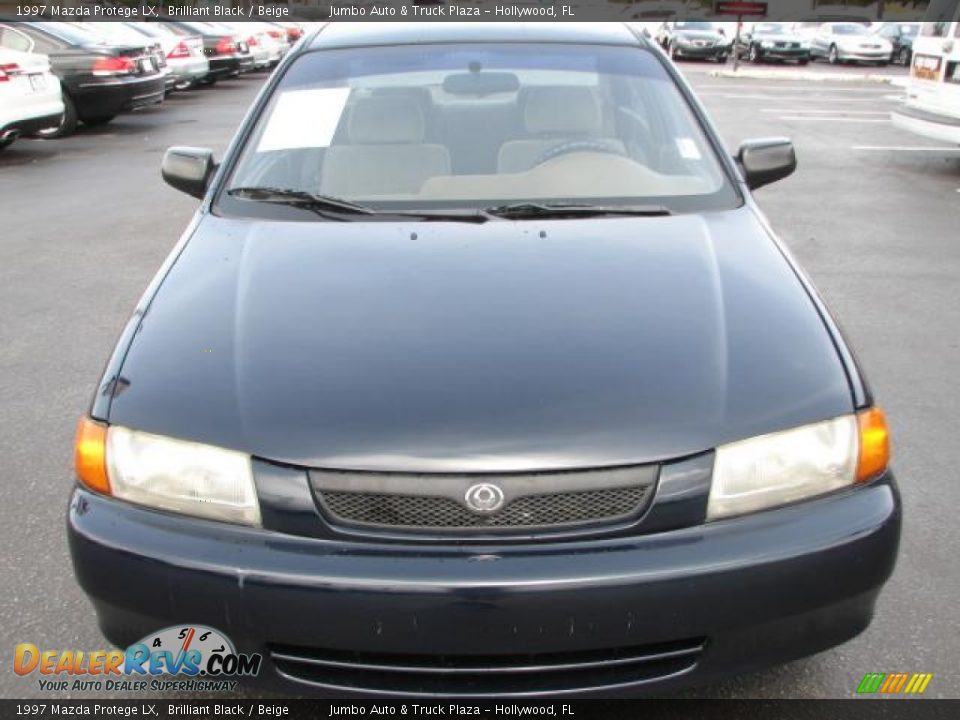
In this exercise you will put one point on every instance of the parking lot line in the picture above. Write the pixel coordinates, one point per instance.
(790, 98)
(905, 148)
(801, 111)
(789, 88)
(834, 118)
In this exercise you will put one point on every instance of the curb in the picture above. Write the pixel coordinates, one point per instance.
(755, 74)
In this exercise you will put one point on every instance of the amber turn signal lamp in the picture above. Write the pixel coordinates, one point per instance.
(90, 455)
(874, 444)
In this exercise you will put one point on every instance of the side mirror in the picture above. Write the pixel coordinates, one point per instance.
(188, 169)
(766, 161)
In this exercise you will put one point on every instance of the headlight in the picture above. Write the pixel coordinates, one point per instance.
(161, 472)
(767, 44)
(784, 467)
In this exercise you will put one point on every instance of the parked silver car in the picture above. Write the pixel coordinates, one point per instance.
(840, 42)
(185, 58)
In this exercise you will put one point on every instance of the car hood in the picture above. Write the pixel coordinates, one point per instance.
(778, 37)
(505, 346)
(857, 39)
(699, 35)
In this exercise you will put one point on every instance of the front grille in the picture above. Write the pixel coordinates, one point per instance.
(480, 675)
(476, 504)
(531, 511)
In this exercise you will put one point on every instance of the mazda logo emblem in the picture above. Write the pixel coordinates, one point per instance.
(484, 498)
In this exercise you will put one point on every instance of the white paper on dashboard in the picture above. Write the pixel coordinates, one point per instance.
(688, 149)
(304, 119)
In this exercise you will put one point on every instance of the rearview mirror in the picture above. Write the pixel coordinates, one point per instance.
(480, 83)
(766, 161)
(188, 169)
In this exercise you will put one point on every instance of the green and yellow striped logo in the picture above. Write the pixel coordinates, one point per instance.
(894, 683)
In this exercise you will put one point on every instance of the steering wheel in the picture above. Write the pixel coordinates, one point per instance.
(575, 146)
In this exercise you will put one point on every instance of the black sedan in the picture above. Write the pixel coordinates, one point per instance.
(901, 37)
(479, 372)
(100, 78)
(695, 39)
(770, 41)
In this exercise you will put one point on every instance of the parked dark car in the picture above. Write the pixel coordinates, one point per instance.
(121, 33)
(768, 41)
(694, 39)
(100, 78)
(226, 51)
(900, 36)
(479, 372)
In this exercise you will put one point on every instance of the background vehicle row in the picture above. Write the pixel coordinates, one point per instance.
(799, 42)
(99, 70)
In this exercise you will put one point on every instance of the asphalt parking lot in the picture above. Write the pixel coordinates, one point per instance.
(872, 213)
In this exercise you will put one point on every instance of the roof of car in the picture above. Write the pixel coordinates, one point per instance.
(344, 34)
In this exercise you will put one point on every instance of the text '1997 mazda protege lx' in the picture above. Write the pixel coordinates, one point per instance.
(479, 372)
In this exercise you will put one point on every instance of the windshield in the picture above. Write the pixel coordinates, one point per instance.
(71, 33)
(909, 30)
(694, 26)
(116, 32)
(153, 30)
(850, 29)
(470, 126)
(768, 28)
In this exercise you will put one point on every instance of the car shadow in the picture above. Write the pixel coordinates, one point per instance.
(25, 151)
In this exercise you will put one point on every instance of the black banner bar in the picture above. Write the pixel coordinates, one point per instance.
(917, 709)
(640, 11)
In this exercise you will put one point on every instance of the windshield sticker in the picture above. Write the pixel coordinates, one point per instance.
(688, 149)
(304, 119)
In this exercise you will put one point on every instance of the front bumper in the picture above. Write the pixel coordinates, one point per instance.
(695, 51)
(606, 617)
(864, 56)
(776, 53)
(935, 126)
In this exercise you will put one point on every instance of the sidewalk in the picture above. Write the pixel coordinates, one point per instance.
(755, 73)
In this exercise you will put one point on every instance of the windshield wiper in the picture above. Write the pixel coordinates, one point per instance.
(530, 210)
(340, 209)
(303, 198)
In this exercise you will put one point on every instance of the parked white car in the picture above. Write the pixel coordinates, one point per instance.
(30, 98)
(267, 44)
(932, 106)
(840, 42)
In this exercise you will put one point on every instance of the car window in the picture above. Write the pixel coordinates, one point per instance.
(13, 39)
(43, 43)
(475, 125)
(110, 32)
(71, 33)
(935, 29)
(849, 29)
